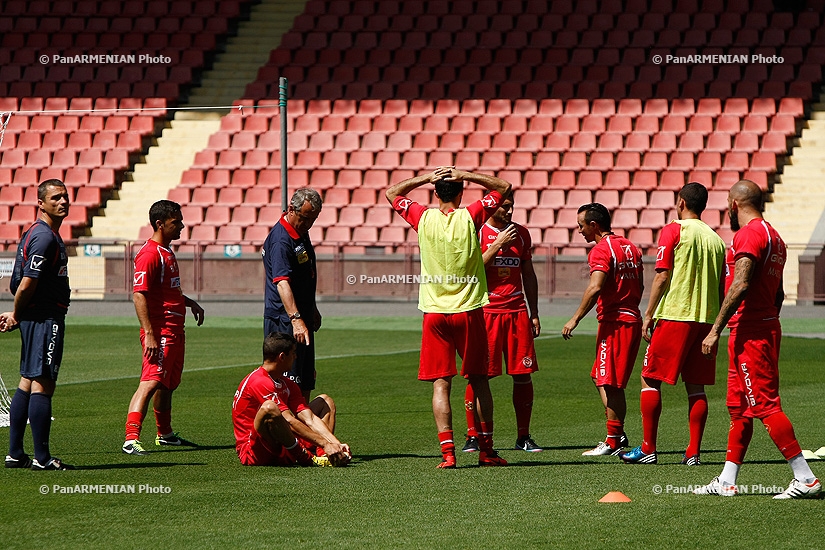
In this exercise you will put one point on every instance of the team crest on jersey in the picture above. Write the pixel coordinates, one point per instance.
(140, 278)
(628, 251)
(36, 263)
(527, 362)
(488, 201)
(175, 282)
(660, 253)
(63, 271)
(302, 254)
(404, 204)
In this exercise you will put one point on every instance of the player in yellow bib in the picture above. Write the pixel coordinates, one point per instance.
(452, 293)
(684, 301)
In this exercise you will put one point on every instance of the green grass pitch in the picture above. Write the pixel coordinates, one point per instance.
(392, 495)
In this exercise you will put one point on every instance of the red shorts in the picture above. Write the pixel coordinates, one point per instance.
(510, 334)
(256, 452)
(167, 366)
(753, 371)
(676, 347)
(617, 345)
(445, 334)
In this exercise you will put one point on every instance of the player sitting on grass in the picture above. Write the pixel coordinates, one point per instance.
(273, 424)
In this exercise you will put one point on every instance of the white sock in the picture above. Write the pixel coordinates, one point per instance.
(801, 470)
(729, 473)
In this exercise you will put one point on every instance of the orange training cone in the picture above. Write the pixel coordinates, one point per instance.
(614, 496)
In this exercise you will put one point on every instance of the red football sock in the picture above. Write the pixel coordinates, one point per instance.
(781, 431)
(134, 421)
(447, 444)
(485, 437)
(163, 419)
(469, 411)
(739, 437)
(650, 402)
(615, 429)
(697, 417)
(523, 405)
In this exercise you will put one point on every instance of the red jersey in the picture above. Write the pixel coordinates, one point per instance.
(257, 387)
(761, 242)
(504, 271)
(621, 293)
(157, 276)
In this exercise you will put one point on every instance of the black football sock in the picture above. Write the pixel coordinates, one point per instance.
(40, 417)
(18, 415)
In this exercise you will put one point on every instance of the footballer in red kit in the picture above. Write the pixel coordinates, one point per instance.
(754, 266)
(160, 306)
(616, 285)
(273, 424)
(452, 294)
(508, 263)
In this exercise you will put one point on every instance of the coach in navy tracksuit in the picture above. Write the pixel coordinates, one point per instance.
(291, 275)
(40, 284)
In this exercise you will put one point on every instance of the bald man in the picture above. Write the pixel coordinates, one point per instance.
(754, 294)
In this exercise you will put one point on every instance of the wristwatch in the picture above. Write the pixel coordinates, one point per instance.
(296, 315)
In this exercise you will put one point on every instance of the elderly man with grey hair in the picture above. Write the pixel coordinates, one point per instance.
(291, 275)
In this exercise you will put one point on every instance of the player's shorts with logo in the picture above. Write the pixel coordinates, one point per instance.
(510, 334)
(676, 348)
(42, 347)
(443, 335)
(753, 371)
(257, 452)
(167, 366)
(617, 345)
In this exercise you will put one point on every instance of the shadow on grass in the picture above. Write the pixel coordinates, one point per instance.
(370, 458)
(139, 465)
(184, 448)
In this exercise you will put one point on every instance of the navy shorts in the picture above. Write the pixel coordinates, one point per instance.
(42, 348)
(303, 370)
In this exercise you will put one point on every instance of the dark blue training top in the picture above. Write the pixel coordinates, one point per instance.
(42, 256)
(289, 256)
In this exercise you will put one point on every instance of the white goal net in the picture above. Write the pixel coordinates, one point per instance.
(5, 403)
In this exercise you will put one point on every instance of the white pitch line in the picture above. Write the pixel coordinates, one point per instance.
(319, 358)
(219, 367)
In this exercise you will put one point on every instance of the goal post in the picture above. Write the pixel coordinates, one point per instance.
(5, 404)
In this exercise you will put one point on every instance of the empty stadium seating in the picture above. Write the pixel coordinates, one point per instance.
(560, 99)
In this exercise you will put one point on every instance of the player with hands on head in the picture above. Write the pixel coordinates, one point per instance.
(273, 424)
(160, 306)
(616, 285)
(511, 328)
(755, 264)
(452, 294)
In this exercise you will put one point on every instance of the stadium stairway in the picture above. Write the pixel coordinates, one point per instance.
(150, 181)
(187, 133)
(245, 53)
(800, 200)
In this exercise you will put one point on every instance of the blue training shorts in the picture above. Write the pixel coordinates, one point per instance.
(42, 348)
(303, 371)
